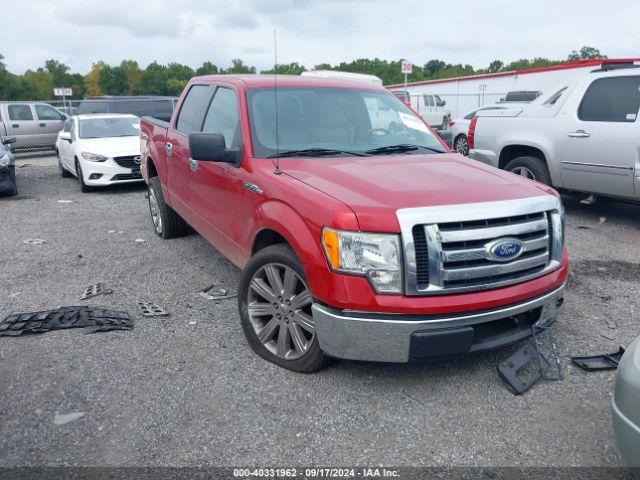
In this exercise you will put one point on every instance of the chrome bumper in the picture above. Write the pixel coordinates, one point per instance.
(391, 338)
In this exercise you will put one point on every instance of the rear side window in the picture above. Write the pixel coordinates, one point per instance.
(611, 100)
(223, 117)
(191, 108)
(20, 112)
(45, 112)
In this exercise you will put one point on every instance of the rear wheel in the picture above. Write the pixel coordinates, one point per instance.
(530, 167)
(83, 186)
(461, 145)
(275, 311)
(166, 222)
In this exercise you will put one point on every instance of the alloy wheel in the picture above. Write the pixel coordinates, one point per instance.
(155, 212)
(524, 172)
(279, 309)
(462, 146)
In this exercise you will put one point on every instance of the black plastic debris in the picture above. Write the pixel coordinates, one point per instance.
(90, 319)
(220, 294)
(93, 290)
(523, 369)
(594, 363)
(150, 309)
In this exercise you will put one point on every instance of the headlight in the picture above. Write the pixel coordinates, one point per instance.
(373, 255)
(93, 157)
(4, 160)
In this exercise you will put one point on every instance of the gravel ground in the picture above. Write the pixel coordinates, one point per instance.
(187, 390)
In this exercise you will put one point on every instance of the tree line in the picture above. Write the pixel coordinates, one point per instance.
(128, 78)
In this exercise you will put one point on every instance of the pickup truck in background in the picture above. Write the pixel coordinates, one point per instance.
(583, 136)
(357, 239)
(34, 125)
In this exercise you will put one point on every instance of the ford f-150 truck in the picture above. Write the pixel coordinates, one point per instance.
(357, 239)
(583, 136)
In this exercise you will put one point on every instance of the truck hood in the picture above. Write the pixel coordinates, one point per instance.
(376, 187)
(111, 147)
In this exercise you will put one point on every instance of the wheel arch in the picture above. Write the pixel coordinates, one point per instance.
(509, 152)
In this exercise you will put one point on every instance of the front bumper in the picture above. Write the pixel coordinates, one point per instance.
(401, 338)
(110, 173)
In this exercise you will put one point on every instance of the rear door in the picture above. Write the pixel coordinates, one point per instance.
(600, 137)
(189, 119)
(23, 125)
(50, 122)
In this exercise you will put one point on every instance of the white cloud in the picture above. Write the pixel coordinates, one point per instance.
(310, 32)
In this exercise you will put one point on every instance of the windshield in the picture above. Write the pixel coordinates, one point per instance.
(109, 127)
(327, 121)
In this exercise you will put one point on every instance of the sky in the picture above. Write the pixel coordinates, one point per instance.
(80, 32)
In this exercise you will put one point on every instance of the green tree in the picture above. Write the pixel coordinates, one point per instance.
(239, 67)
(37, 85)
(584, 53)
(207, 68)
(495, 66)
(132, 77)
(293, 68)
(154, 80)
(432, 67)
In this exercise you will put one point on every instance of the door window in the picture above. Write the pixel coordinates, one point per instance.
(45, 112)
(222, 117)
(614, 99)
(430, 100)
(20, 112)
(191, 108)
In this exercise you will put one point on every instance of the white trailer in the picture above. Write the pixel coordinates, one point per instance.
(463, 94)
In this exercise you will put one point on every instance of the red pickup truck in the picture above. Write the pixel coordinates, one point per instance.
(360, 235)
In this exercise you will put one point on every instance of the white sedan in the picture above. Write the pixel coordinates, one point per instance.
(460, 127)
(100, 149)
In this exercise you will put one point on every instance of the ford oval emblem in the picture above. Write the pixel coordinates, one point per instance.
(504, 249)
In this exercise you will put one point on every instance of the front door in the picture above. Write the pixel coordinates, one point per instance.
(177, 150)
(217, 189)
(50, 122)
(23, 125)
(599, 138)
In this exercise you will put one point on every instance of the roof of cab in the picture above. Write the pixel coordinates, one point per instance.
(266, 81)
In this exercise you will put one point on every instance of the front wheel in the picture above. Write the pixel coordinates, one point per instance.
(275, 311)
(84, 188)
(530, 167)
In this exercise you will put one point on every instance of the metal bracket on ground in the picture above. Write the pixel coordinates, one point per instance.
(94, 290)
(150, 309)
(608, 361)
(219, 294)
(522, 370)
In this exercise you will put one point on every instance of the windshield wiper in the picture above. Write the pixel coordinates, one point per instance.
(400, 148)
(313, 152)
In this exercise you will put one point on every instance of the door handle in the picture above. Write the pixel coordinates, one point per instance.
(43, 124)
(15, 125)
(167, 149)
(579, 134)
(193, 164)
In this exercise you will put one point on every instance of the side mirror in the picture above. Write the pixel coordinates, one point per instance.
(65, 136)
(63, 115)
(211, 147)
(8, 140)
(443, 103)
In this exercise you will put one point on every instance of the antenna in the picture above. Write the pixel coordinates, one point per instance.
(277, 171)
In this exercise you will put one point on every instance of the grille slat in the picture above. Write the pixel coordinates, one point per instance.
(128, 162)
(460, 252)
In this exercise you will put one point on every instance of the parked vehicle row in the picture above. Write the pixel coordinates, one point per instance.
(583, 136)
(355, 240)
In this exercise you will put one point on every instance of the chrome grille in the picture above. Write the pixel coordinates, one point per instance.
(446, 248)
(128, 162)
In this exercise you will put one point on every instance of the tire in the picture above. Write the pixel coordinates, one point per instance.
(532, 168)
(12, 175)
(166, 222)
(84, 188)
(461, 145)
(277, 315)
(63, 171)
